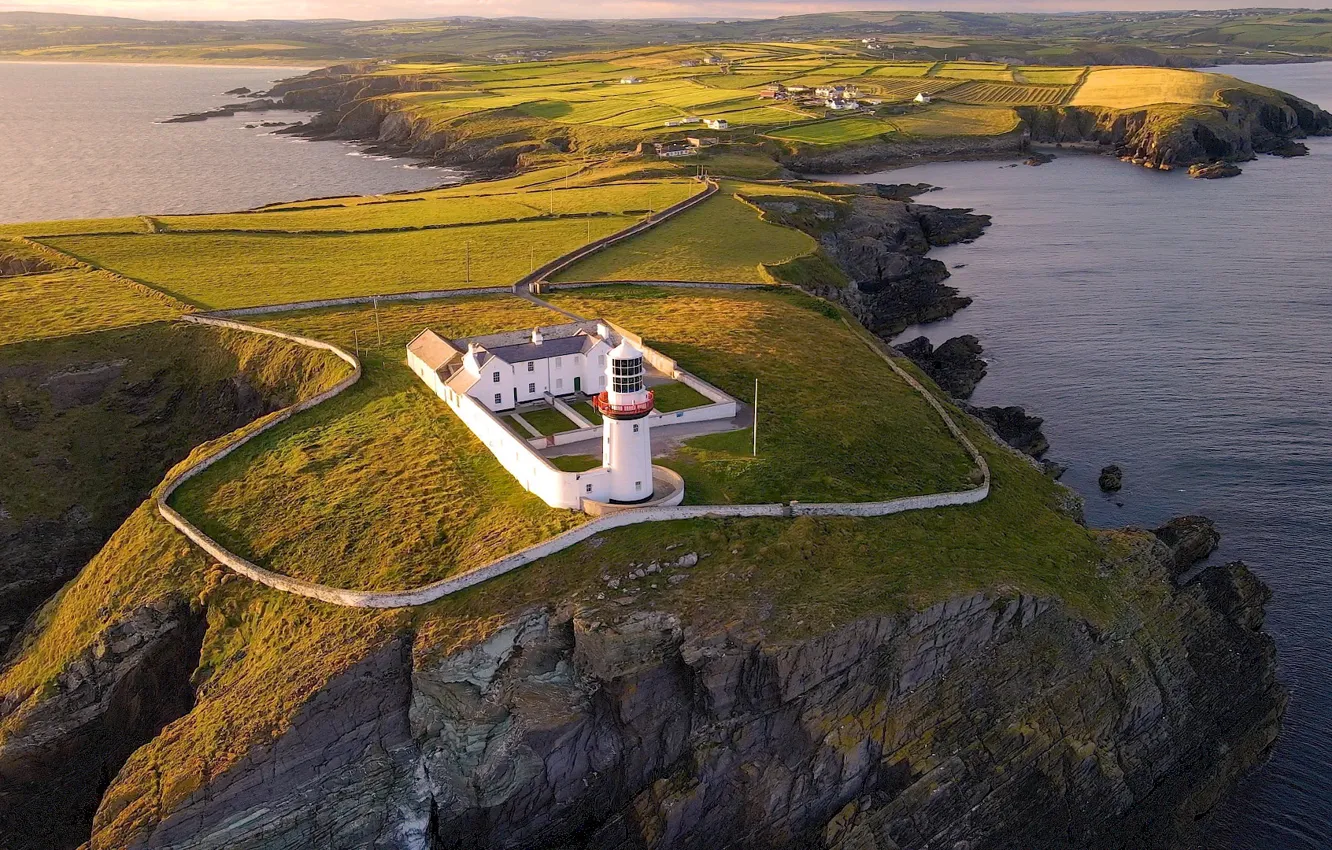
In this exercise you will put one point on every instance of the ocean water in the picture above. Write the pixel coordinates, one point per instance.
(1182, 329)
(83, 141)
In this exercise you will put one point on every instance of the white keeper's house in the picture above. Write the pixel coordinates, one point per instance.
(481, 377)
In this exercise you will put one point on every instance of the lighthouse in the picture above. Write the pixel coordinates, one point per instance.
(626, 444)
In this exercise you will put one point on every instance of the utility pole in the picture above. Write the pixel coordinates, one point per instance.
(467, 253)
(378, 333)
(356, 341)
(589, 227)
(552, 199)
(533, 268)
(756, 417)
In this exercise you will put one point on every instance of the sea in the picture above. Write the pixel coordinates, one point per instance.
(82, 140)
(1181, 329)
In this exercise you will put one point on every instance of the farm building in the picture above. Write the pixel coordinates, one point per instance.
(775, 91)
(703, 141)
(922, 98)
(717, 123)
(671, 150)
(839, 104)
(629, 81)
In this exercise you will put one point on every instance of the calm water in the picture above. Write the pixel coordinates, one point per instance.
(1183, 329)
(80, 141)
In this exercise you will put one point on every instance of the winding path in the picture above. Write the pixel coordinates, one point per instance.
(436, 590)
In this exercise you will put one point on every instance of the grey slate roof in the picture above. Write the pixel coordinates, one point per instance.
(561, 347)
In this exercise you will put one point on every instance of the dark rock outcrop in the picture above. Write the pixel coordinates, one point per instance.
(1016, 427)
(1111, 479)
(880, 245)
(956, 365)
(1214, 170)
(990, 720)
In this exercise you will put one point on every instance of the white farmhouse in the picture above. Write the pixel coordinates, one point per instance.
(838, 104)
(629, 81)
(502, 371)
(717, 123)
(922, 98)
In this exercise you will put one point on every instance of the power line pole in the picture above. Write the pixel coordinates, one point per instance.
(756, 417)
(378, 333)
(467, 252)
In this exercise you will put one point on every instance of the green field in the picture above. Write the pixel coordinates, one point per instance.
(721, 240)
(221, 270)
(955, 119)
(386, 454)
(835, 131)
(1007, 94)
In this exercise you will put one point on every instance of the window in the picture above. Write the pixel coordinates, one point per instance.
(627, 375)
(499, 399)
(601, 361)
(531, 365)
(494, 377)
(589, 488)
(635, 427)
(558, 360)
(531, 388)
(638, 486)
(559, 383)
(602, 380)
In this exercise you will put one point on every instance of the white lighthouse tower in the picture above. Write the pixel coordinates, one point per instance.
(627, 444)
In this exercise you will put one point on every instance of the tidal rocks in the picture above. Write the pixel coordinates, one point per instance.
(1038, 158)
(1214, 170)
(238, 91)
(1111, 479)
(1016, 427)
(230, 109)
(956, 365)
(1190, 539)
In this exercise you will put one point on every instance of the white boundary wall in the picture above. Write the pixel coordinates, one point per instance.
(555, 487)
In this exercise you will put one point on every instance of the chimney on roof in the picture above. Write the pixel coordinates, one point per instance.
(537, 338)
(603, 331)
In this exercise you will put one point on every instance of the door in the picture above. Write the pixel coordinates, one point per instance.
(578, 385)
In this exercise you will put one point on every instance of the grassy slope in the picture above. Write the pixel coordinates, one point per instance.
(74, 301)
(1130, 88)
(382, 487)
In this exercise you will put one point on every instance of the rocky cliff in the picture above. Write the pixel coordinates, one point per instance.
(880, 245)
(1249, 123)
(993, 719)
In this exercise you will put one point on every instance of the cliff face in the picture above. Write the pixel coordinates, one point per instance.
(993, 719)
(1247, 125)
(880, 244)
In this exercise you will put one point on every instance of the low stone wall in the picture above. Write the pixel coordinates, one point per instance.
(422, 295)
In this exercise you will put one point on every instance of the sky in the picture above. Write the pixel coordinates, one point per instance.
(217, 10)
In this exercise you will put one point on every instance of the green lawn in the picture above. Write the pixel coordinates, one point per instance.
(75, 301)
(220, 270)
(383, 486)
(676, 396)
(576, 463)
(835, 423)
(721, 239)
(588, 411)
(549, 421)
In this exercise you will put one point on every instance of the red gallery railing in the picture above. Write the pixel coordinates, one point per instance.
(601, 402)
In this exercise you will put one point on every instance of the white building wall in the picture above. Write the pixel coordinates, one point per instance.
(486, 388)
